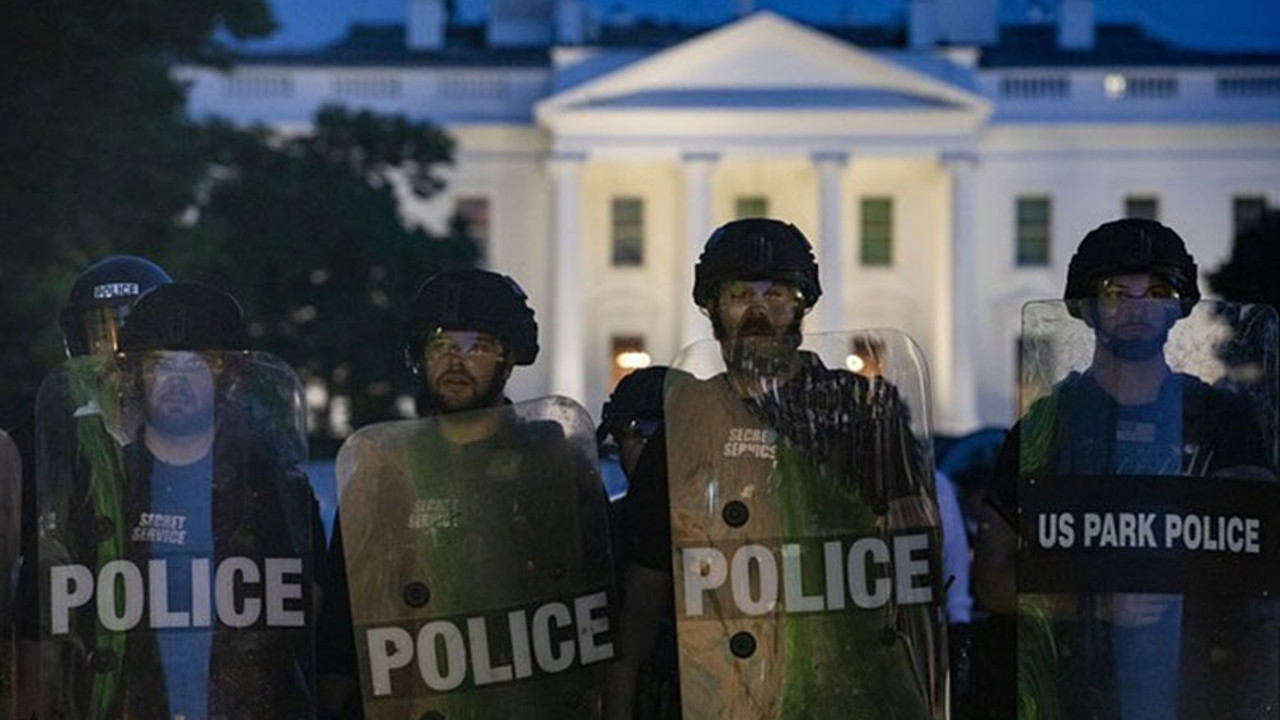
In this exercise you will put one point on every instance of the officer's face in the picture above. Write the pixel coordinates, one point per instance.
(462, 368)
(756, 309)
(1135, 312)
(1136, 306)
(179, 388)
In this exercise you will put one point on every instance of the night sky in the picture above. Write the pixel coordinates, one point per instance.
(1220, 24)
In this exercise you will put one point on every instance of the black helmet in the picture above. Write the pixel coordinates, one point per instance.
(101, 299)
(185, 316)
(471, 299)
(637, 396)
(756, 249)
(1132, 245)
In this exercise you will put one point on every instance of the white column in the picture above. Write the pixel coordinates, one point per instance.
(957, 367)
(567, 346)
(829, 312)
(696, 168)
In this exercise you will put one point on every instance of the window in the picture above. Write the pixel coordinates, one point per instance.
(1249, 86)
(748, 206)
(1142, 206)
(367, 87)
(628, 231)
(1035, 87)
(473, 213)
(259, 85)
(473, 86)
(1032, 230)
(1129, 87)
(628, 354)
(1246, 211)
(876, 246)
(1162, 88)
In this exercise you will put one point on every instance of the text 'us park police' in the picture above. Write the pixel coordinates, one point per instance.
(1196, 532)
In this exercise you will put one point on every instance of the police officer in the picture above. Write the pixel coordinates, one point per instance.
(1130, 412)
(97, 306)
(756, 280)
(206, 498)
(633, 413)
(629, 418)
(465, 505)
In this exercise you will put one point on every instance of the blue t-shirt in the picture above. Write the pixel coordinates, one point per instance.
(181, 499)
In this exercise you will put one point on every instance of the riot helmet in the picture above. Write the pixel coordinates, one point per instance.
(756, 249)
(100, 300)
(636, 402)
(472, 299)
(185, 316)
(1131, 246)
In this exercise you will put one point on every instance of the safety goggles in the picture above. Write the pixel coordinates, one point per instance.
(773, 295)
(1156, 288)
(465, 345)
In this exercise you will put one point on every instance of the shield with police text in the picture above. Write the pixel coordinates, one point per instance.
(1148, 510)
(805, 533)
(10, 519)
(477, 556)
(177, 543)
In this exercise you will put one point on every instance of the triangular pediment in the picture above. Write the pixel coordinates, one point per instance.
(762, 62)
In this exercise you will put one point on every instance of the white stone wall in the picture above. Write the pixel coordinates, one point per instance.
(1064, 133)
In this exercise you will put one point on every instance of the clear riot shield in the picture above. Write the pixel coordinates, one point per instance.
(1149, 512)
(10, 519)
(806, 540)
(477, 554)
(176, 551)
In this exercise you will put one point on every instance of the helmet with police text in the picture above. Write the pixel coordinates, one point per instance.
(185, 316)
(756, 249)
(477, 300)
(635, 401)
(101, 298)
(1131, 246)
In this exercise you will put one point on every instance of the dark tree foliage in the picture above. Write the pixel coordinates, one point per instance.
(305, 231)
(96, 156)
(1252, 275)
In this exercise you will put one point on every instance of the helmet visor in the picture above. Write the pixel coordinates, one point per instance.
(471, 347)
(93, 330)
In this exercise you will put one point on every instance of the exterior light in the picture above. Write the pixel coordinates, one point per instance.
(1115, 86)
(633, 360)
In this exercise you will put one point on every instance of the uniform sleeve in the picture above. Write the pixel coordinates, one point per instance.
(335, 635)
(319, 553)
(1002, 495)
(646, 514)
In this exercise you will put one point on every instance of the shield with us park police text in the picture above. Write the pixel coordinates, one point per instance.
(1149, 509)
(804, 528)
(477, 555)
(176, 538)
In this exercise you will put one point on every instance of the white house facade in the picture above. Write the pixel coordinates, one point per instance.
(944, 172)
